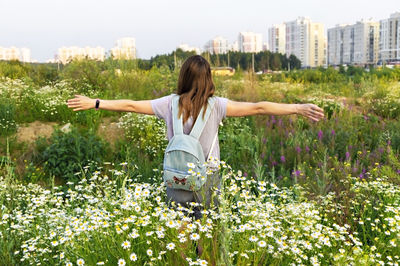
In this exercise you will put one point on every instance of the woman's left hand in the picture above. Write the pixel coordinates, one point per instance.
(311, 111)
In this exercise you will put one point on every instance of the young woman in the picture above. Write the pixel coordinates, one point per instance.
(195, 86)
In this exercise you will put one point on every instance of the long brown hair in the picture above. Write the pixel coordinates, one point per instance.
(195, 85)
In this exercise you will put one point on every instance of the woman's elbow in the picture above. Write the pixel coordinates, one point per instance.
(259, 109)
(132, 107)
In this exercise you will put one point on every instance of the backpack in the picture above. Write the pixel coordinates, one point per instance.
(184, 162)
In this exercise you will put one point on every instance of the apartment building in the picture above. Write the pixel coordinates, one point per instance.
(14, 53)
(125, 49)
(306, 40)
(356, 44)
(218, 45)
(389, 39)
(277, 38)
(67, 54)
(187, 48)
(250, 42)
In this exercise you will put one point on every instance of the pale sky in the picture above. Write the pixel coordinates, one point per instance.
(159, 26)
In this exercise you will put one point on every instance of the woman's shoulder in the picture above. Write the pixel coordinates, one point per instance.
(161, 106)
(221, 103)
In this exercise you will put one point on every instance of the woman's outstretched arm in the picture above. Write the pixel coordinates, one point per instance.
(80, 103)
(311, 111)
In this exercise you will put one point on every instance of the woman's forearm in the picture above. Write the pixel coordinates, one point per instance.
(115, 105)
(80, 103)
(271, 108)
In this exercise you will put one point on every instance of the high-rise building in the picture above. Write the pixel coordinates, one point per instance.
(389, 40)
(234, 47)
(14, 53)
(125, 49)
(336, 44)
(218, 45)
(186, 48)
(306, 40)
(250, 42)
(353, 44)
(277, 38)
(67, 54)
(26, 55)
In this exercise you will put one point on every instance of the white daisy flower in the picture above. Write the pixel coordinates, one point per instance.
(194, 236)
(126, 244)
(171, 246)
(133, 257)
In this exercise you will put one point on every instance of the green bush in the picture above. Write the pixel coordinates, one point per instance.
(147, 133)
(70, 152)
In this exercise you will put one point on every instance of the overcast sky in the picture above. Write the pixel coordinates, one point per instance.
(160, 25)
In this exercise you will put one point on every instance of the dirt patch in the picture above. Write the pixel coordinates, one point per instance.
(109, 130)
(32, 131)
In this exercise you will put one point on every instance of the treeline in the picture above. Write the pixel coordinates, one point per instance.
(262, 61)
(340, 75)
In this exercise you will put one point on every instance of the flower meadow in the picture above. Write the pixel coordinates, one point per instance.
(293, 192)
(108, 218)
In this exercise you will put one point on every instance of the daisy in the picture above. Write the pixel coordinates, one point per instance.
(80, 262)
(121, 262)
(171, 246)
(133, 257)
(253, 238)
(194, 236)
(262, 244)
(126, 244)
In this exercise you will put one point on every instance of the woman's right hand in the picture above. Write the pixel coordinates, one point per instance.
(80, 103)
(311, 111)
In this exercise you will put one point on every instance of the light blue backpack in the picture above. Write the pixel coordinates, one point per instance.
(184, 162)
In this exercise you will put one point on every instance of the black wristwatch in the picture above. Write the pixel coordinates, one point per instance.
(97, 104)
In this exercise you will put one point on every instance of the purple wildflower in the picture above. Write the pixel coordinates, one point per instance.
(333, 132)
(320, 135)
(307, 149)
(347, 155)
(273, 121)
(297, 173)
(283, 159)
(298, 149)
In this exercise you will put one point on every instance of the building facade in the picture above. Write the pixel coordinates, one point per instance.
(67, 54)
(14, 53)
(389, 39)
(277, 38)
(250, 42)
(125, 49)
(218, 45)
(356, 44)
(306, 40)
(187, 48)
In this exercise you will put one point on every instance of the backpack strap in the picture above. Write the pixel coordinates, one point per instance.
(177, 122)
(200, 122)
